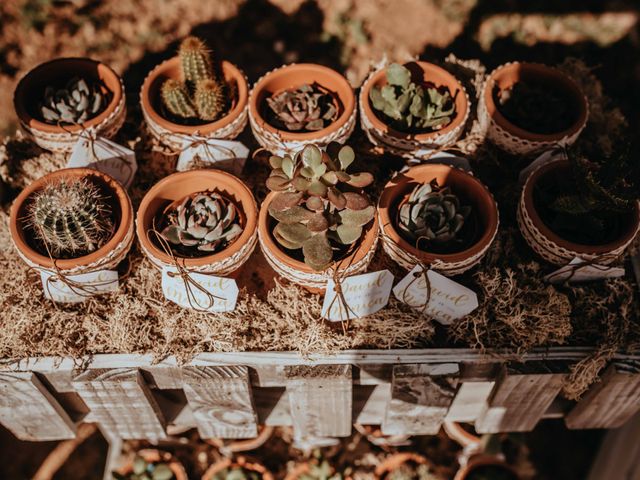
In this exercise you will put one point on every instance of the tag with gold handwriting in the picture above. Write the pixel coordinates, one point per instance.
(199, 291)
(361, 295)
(77, 288)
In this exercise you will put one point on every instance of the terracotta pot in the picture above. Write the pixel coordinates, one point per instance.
(374, 435)
(551, 246)
(299, 272)
(57, 73)
(106, 257)
(173, 134)
(514, 139)
(458, 434)
(157, 456)
(381, 134)
(463, 184)
(177, 186)
(236, 446)
(292, 76)
(238, 462)
(395, 461)
(479, 461)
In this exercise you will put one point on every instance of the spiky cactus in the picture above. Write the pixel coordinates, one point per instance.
(202, 95)
(70, 217)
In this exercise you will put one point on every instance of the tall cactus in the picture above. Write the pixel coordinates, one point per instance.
(70, 217)
(195, 59)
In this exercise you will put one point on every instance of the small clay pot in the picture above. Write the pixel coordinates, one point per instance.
(293, 76)
(551, 246)
(157, 456)
(463, 184)
(479, 461)
(106, 257)
(510, 137)
(395, 461)
(300, 273)
(241, 462)
(56, 73)
(374, 434)
(458, 434)
(178, 185)
(173, 134)
(380, 133)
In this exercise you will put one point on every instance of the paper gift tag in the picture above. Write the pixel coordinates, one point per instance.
(204, 292)
(448, 300)
(546, 157)
(78, 287)
(585, 273)
(441, 157)
(226, 155)
(363, 294)
(105, 156)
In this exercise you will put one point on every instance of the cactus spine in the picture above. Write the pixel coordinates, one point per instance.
(202, 95)
(70, 217)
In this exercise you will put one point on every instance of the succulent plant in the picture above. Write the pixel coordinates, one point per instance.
(78, 102)
(320, 470)
(205, 222)
(433, 215)
(409, 471)
(319, 208)
(143, 470)
(409, 106)
(70, 217)
(202, 95)
(306, 108)
(237, 473)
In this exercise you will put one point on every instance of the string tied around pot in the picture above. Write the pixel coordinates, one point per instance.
(573, 269)
(338, 271)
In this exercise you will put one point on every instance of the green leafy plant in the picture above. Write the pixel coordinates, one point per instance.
(203, 222)
(432, 216)
(70, 217)
(306, 108)
(319, 208)
(78, 102)
(237, 473)
(411, 471)
(409, 106)
(203, 95)
(143, 470)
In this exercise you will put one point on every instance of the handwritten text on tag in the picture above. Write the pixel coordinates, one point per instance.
(575, 272)
(226, 155)
(202, 292)
(447, 302)
(78, 287)
(363, 294)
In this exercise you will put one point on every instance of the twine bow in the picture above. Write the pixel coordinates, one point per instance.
(338, 275)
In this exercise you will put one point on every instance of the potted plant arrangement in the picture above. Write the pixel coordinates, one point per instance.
(317, 220)
(413, 106)
(150, 464)
(59, 99)
(486, 467)
(579, 206)
(314, 469)
(72, 221)
(240, 468)
(190, 94)
(530, 107)
(406, 466)
(203, 220)
(299, 104)
(438, 215)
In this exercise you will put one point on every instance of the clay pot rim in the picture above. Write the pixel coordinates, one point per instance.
(540, 70)
(366, 240)
(393, 189)
(149, 109)
(152, 455)
(248, 206)
(394, 461)
(482, 460)
(111, 82)
(242, 462)
(118, 196)
(452, 84)
(348, 104)
(527, 197)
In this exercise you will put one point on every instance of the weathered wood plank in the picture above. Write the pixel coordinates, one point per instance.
(521, 396)
(320, 399)
(121, 402)
(29, 410)
(619, 453)
(420, 398)
(610, 402)
(469, 401)
(370, 403)
(221, 401)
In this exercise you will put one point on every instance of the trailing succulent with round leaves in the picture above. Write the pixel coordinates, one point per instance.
(319, 207)
(433, 215)
(306, 108)
(410, 106)
(202, 95)
(409, 471)
(70, 218)
(237, 473)
(78, 102)
(142, 470)
(203, 222)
